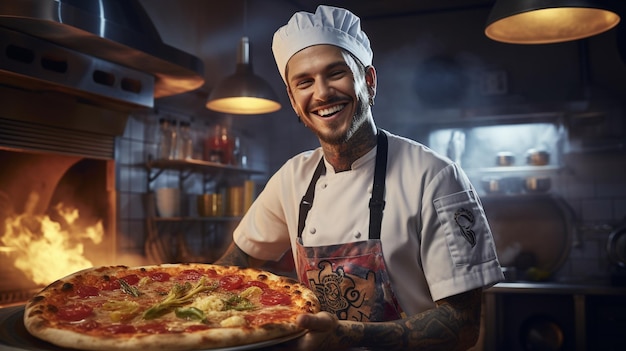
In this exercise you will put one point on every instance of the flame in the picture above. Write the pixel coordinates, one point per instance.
(46, 249)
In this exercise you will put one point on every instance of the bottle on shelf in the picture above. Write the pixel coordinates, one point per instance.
(226, 145)
(185, 141)
(236, 156)
(167, 139)
(213, 146)
(174, 133)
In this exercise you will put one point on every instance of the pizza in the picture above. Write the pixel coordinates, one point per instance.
(167, 307)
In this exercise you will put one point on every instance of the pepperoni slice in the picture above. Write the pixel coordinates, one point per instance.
(211, 273)
(109, 283)
(159, 276)
(272, 298)
(231, 282)
(190, 274)
(74, 312)
(131, 279)
(84, 291)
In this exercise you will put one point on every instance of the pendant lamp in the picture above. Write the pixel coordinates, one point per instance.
(243, 93)
(548, 21)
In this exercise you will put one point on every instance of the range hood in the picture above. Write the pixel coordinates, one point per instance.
(104, 52)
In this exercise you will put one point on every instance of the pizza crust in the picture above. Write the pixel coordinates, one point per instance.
(212, 338)
(41, 310)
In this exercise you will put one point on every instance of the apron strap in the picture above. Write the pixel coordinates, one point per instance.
(377, 202)
(307, 200)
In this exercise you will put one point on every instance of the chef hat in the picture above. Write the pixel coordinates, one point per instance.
(329, 25)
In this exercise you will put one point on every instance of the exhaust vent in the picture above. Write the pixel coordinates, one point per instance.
(94, 49)
(38, 65)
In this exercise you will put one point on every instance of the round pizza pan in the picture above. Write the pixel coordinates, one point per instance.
(15, 337)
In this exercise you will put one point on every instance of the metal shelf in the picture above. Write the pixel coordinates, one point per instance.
(157, 247)
(187, 167)
(514, 169)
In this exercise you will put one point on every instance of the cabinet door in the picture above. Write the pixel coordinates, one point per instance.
(606, 322)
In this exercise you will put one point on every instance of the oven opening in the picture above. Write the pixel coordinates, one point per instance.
(57, 216)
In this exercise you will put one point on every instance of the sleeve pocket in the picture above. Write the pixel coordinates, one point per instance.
(467, 232)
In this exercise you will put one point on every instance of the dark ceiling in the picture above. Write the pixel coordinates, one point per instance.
(371, 9)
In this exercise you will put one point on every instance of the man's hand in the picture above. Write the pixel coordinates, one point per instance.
(321, 328)
(327, 333)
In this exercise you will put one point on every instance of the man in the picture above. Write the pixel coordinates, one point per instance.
(391, 236)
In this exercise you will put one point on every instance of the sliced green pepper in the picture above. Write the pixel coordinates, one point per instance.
(190, 313)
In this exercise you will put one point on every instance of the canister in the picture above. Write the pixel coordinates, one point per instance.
(210, 205)
(234, 201)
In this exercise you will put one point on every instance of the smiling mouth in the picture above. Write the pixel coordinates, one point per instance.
(330, 111)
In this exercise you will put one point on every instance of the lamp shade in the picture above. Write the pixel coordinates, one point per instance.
(243, 92)
(548, 21)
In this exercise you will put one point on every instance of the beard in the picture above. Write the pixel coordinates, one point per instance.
(339, 136)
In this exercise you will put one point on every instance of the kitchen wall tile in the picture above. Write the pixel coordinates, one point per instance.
(576, 206)
(149, 151)
(586, 268)
(589, 249)
(131, 206)
(138, 179)
(578, 188)
(123, 183)
(597, 210)
(134, 128)
(123, 240)
(136, 152)
(151, 127)
(123, 151)
(612, 188)
(619, 209)
(123, 204)
(137, 210)
(131, 237)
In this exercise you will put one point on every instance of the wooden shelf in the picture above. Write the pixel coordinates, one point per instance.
(197, 166)
(196, 219)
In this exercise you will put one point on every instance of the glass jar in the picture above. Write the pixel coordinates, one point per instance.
(167, 139)
(185, 141)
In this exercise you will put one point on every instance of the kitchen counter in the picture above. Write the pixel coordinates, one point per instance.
(588, 312)
(576, 288)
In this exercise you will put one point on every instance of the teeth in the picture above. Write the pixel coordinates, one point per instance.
(330, 110)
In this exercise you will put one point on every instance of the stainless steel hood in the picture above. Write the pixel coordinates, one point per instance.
(106, 52)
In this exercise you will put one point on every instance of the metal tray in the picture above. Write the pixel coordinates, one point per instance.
(15, 337)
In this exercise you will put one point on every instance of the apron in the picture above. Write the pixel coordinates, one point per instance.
(350, 280)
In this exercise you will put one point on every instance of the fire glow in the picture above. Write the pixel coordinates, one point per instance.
(46, 249)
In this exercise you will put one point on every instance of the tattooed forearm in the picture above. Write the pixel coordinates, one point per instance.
(453, 325)
(234, 256)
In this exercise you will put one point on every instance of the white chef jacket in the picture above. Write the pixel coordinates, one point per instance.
(428, 201)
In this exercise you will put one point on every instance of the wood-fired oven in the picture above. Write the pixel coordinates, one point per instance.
(57, 216)
(70, 74)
